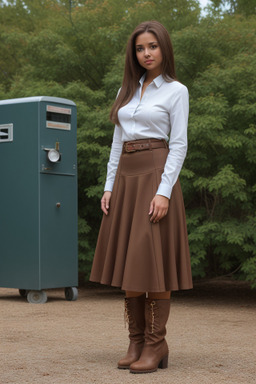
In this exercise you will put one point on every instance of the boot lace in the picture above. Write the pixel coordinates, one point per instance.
(152, 305)
(126, 313)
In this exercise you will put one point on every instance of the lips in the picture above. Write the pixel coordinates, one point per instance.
(148, 61)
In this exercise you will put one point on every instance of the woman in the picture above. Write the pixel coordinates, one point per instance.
(142, 245)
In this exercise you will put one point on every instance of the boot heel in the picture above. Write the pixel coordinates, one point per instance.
(163, 363)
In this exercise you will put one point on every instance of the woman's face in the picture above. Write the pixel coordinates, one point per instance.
(148, 53)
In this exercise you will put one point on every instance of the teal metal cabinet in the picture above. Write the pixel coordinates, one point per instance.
(38, 196)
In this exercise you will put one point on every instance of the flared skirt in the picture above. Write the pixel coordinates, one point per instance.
(131, 252)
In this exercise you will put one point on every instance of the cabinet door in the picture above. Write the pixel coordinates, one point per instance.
(58, 231)
(19, 209)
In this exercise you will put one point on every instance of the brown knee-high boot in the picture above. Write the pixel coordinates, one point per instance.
(135, 313)
(155, 351)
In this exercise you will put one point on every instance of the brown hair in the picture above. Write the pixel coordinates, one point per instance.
(133, 70)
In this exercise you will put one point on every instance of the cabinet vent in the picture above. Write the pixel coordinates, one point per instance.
(6, 133)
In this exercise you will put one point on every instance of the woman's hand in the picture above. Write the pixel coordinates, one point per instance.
(105, 202)
(158, 208)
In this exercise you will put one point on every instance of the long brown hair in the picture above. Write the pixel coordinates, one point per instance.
(133, 70)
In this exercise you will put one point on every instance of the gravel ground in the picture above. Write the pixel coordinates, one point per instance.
(211, 336)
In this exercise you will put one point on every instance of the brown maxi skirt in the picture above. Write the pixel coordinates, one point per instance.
(131, 252)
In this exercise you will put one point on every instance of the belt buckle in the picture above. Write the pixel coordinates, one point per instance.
(131, 149)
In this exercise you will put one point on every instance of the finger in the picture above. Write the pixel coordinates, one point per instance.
(151, 208)
(154, 215)
(104, 206)
(161, 215)
(107, 203)
(104, 209)
(157, 218)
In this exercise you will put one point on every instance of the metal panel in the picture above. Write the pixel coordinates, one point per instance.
(58, 231)
(67, 145)
(19, 199)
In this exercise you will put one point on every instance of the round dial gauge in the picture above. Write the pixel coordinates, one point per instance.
(53, 155)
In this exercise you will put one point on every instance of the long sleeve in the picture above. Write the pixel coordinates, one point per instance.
(115, 153)
(178, 142)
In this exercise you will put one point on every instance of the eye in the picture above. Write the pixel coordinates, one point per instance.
(154, 46)
(139, 49)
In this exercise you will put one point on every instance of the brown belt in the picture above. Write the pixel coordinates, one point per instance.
(143, 145)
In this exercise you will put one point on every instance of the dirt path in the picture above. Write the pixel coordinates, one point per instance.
(211, 336)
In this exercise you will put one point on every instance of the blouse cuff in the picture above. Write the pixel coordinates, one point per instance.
(164, 190)
(108, 186)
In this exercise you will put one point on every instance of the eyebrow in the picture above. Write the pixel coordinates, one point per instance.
(141, 45)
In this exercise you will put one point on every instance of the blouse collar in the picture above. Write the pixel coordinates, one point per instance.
(157, 80)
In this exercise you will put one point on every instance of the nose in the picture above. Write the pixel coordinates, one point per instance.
(146, 52)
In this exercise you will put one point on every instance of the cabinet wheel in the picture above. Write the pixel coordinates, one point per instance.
(37, 297)
(71, 293)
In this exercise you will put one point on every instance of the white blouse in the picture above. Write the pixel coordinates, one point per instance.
(161, 113)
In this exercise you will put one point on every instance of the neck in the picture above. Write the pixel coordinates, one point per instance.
(151, 76)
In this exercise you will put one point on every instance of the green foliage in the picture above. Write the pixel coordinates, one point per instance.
(243, 7)
(75, 49)
(222, 157)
